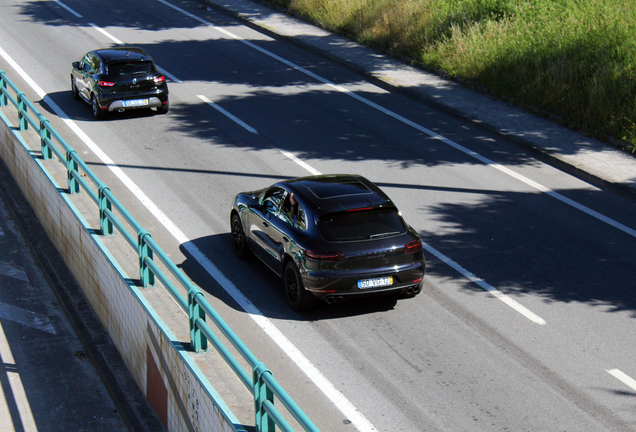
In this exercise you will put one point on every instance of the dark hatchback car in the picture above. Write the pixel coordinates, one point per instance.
(331, 238)
(119, 79)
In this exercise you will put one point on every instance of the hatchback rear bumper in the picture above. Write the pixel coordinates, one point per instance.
(147, 102)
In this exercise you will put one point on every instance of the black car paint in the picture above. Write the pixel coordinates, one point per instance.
(93, 69)
(275, 242)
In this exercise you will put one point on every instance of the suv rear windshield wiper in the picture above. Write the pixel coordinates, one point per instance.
(386, 234)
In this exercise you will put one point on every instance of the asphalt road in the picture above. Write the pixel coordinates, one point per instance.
(526, 321)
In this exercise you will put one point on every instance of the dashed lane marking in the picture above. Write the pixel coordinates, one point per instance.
(26, 317)
(12, 271)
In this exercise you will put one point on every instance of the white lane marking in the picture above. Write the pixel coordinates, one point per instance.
(105, 33)
(338, 399)
(468, 275)
(228, 115)
(302, 163)
(68, 8)
(26, 317)
(329, 390)
(17, 389)
(10, 270)
(485, 286)
(624, 378)
(169, 75)
(118, 42)
(418, 127)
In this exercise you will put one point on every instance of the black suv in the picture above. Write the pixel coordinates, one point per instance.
(118, 79)
(331, 238)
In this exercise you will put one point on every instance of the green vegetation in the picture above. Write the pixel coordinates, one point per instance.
(573, 59)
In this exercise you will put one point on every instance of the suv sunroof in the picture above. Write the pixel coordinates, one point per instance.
(328, 189)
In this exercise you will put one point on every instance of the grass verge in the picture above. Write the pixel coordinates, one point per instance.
(572, 59)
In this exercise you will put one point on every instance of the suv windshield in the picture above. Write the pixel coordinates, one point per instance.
(360, 225)
(130, 69)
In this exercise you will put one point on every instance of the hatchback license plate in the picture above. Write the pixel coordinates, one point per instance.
(136, 102)
(375, 283)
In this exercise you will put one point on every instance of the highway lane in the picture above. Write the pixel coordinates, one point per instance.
(454, 358)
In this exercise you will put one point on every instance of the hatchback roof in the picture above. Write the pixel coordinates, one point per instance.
(338, 192)
(126, 53)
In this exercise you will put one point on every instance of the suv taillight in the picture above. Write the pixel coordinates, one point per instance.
(160, 79)
(106, 84)
(412, 247)
(324, 256)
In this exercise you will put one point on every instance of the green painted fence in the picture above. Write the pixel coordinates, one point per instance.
(260, 382)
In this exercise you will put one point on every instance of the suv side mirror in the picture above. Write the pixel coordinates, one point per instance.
(254, 203)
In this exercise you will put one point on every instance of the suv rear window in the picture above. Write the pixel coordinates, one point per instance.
(360, 225)
(130, 69)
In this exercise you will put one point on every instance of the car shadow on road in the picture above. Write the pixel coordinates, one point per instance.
(260, 285)
(79, 110)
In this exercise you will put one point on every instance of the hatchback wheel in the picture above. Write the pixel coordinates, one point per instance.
(239, 245)
(163, 109)
(297, 296)
(98, 112)
(74, 91)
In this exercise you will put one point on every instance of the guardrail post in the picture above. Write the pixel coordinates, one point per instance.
(262, 393)
(104, 204)
(22, 109)
(145, 252)
(72, 166)
(4, 100)
(197, 340)
(45, 138)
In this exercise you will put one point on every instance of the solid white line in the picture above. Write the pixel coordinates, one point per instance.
(227, 114)
(17, 389)
(418, 127)
(339, 400)
(68, 8)
(624, 378)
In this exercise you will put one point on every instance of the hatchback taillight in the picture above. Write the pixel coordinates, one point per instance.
(159, 79)
(324, 256)
(106, 83)
(412, 247)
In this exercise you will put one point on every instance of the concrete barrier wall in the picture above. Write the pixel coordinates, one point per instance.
(175, 387)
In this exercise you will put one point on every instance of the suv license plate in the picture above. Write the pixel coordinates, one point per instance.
(136, 102)
(375, 283)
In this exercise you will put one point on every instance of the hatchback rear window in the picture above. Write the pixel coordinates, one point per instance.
(130, 69)
(360, 225)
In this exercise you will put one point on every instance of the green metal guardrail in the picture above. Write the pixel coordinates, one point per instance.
(261, 383)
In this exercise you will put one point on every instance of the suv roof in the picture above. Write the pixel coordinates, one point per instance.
(339, 192)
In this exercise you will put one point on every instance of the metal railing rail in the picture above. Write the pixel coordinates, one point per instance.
(261, 383)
